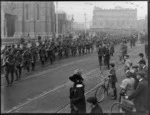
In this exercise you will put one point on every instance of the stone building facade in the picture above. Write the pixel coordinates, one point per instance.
(117, 18)
(31, 18)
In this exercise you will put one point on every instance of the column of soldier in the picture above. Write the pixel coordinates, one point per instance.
(16, 58)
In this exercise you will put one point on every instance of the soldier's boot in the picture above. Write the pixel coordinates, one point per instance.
(51, 60)
(33, 66)
(12, 76)
(20, 71)
(7, 78)
(17, 76)
(28, 68)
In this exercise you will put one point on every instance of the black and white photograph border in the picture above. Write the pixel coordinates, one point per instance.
(74, 57)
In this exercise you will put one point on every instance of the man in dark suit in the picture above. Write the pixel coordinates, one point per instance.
(107, 57)
(100, 54)
(140, 95)
(143, 68)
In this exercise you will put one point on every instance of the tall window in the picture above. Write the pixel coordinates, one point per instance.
(38, 16)
(27, 12)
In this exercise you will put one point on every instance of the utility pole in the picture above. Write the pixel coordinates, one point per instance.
(56, 19)
(34, 20)
(85, 22)
(46, 19)
(23, 19)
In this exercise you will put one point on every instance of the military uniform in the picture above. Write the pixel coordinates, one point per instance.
(9, 68)
(19, 60)
(42, 53)
(27, 59)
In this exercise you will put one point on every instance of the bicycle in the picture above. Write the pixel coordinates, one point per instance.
(119, 107)
(103, 89)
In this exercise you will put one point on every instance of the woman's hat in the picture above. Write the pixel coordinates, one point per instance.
(75, 77)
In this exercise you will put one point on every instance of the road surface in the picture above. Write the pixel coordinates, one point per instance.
(46, 90)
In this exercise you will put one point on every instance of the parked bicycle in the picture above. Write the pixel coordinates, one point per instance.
(103, 89)
(122, 107)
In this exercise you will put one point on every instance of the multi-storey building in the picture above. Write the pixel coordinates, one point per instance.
(28, 18)
(118, 18)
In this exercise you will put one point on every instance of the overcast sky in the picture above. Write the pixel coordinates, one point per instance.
(77, 9)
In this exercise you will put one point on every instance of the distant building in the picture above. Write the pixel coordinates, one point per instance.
(78, 26)
(142, 25)
(28, 18)
(118, 18)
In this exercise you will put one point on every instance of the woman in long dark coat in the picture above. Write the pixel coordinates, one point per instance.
(77, 98)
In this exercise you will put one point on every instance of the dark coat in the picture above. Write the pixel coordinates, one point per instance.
(100, 51)
(97, 109)
(77, 99)
(140, 96)
(145, 70)
(113, 77)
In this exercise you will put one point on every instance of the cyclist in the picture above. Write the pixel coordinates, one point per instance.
(113, 79)
(94, 105)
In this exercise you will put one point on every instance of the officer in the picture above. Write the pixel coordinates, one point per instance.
(42, 54)
(112, 50)
(19, 64)
(27, 59)
(107, 56)
(9, 68)
(34, 56)
(50, 53)
(95, 108)
(100, 54)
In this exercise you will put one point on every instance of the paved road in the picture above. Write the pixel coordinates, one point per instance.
(47, 90)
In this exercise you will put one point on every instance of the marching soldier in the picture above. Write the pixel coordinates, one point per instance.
(27, 59)
(42, 53)
(112, 50)
(106, 56)
(9, 68)
(100, 54)
(34, 56)
(50, 54)
(19, 63)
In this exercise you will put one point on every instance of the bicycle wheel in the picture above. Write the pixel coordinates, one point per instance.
(116, 108)
(100, 93)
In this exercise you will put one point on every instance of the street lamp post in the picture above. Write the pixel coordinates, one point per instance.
(56, 19)
(23, 19)
(85, 23)
(34, 20)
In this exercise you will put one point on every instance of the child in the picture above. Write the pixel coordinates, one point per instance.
(113, 79)
(94, 105)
